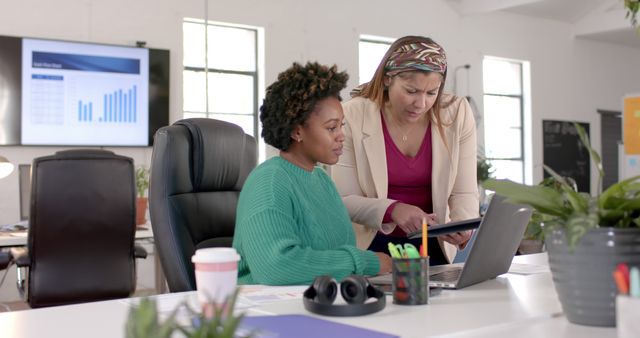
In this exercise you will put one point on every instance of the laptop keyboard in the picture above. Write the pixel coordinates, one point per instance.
(446, 276)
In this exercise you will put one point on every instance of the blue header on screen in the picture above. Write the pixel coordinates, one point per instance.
(47, 77)
(85, 62)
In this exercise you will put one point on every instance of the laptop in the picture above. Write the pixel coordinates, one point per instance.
(490, 255)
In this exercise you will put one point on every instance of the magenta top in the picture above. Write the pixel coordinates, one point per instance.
(409, 177)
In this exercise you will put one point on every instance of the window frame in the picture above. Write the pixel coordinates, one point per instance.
(206, 70)
(522, 116)
(380, 40)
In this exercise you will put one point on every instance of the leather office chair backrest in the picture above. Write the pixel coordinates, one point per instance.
(5, 259)
(197, 171)
(81, 228)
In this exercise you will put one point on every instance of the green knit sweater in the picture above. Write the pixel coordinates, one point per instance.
(292, 226)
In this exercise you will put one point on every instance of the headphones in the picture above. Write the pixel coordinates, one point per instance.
(355, 290)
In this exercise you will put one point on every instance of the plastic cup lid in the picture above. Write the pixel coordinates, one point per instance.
(215, 255)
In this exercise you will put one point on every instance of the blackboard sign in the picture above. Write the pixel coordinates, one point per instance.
(564, 152)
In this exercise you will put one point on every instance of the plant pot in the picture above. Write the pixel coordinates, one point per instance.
(141, 210)
(583, 277)
(530, 246)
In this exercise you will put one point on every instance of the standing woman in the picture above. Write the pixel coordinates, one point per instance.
(291, 224)
(409, 152)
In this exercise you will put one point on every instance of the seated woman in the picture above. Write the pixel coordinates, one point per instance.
(291, 224)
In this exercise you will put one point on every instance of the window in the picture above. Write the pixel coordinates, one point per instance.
(371, 51)
(220, 75)
(504, 84)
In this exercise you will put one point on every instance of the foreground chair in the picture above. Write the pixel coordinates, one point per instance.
(198, 168)
(81, 229)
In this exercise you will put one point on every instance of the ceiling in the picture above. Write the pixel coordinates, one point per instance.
(602, 20)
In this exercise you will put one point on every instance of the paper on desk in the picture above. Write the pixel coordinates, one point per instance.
(260, 294)
(168, 302)
(19, 226)
(250, 296)
(527, 269)
(18, 234)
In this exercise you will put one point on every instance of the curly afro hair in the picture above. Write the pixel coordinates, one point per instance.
(289, 101)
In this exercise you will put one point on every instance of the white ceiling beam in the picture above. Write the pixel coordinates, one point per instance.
(606, 18)
(467, 7)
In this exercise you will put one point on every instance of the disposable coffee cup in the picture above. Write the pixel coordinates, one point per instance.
(216, 274)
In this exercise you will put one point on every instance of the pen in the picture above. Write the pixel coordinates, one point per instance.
(411, 251)
(393, 251)
(624, 269)
(424, 250)
(621, 282)
(401, 251)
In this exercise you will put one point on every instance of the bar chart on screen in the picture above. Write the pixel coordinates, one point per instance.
(75, 92)
(119, 106)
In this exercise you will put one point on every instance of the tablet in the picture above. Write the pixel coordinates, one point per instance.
(446, 228)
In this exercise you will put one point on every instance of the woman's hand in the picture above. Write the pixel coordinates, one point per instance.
(458, 239)
(409, 217)
(385, 263)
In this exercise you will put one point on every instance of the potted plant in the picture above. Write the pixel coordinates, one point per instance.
(484, 170)
(142, 184)
(144, 321)
(585, 236)
(533, 240)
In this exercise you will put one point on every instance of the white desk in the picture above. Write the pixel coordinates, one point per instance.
(509, 306)
(19, 238)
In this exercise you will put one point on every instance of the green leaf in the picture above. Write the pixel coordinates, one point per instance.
(544, 199)
(142, 180)
(595, 157)
(142, 321)
(577, 226)
(628, 188)
(221, 324)
(577, 201)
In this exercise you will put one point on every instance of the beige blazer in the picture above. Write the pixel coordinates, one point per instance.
(361, 173)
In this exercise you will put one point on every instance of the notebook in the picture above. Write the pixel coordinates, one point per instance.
(296, 326)
(490, 255)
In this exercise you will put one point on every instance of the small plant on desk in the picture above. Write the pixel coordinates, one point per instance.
(142, 184)
(142, 181)
(143, 321)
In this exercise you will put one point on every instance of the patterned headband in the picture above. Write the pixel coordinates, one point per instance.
(417, 56)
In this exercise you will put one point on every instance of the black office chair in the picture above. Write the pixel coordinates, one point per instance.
(5, 259)
(198, 168)
(81, 229)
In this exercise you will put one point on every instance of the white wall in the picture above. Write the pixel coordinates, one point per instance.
(571, 78)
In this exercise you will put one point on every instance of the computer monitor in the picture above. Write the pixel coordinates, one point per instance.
(24, 172)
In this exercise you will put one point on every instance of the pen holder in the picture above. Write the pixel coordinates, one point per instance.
(410, 281)
(627, 315)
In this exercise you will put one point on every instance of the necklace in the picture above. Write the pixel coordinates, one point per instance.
(404, 135)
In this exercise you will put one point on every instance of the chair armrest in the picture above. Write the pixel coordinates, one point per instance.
(5, 259)
(139, 252)
(21, 257)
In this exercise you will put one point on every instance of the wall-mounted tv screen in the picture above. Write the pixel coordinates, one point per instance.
(60, 93)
